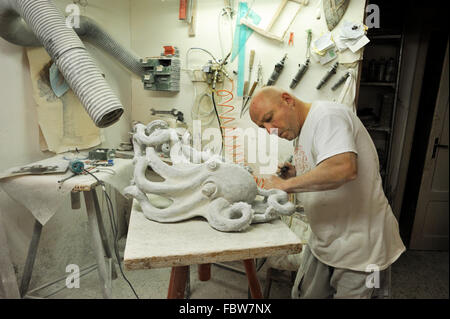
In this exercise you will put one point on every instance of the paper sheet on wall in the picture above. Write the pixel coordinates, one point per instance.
(64, 123)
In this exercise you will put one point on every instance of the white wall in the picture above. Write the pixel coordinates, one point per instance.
(65, 238)
(19, 138)
(155, 24)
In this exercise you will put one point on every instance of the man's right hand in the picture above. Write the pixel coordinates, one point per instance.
(286, 170)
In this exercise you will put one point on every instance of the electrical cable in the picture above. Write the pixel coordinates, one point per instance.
(225, 11)
(220, 124)
(112, 220)
(201, 49)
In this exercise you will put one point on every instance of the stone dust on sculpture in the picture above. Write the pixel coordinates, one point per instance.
(198, 183)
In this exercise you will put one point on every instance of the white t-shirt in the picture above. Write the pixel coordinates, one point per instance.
(352, 226)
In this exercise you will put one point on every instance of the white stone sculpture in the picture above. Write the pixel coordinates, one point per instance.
(198, 183)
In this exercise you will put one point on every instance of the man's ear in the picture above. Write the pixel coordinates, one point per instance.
(287, 98)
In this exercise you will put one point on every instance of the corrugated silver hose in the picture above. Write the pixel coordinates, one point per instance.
(70, 55)
(90, 31)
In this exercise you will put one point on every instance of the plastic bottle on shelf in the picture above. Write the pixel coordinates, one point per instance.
(390, 71)
(381, 69)
(372, 70)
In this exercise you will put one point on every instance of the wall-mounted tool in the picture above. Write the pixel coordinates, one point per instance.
(244, 107)
(251, 60)
(173, 112)
(340, 81)
(215, 71)
(303, 67)
(162, 73)
(246, 84)
(277, 71)
(327, 76)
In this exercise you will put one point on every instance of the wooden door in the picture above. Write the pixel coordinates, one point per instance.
(431, 222)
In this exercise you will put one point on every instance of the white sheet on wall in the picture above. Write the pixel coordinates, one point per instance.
(64, 123)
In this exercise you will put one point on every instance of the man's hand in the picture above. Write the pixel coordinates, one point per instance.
(286, 170)
(274, 182)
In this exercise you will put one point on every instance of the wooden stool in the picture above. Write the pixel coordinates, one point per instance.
(179, 276)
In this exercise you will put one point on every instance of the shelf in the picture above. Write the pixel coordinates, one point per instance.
(385, 84)
(385, 37)
(379, 129)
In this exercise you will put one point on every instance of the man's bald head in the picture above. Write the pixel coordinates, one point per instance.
(274, 108)
(264, 97)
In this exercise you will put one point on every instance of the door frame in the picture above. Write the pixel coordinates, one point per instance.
(439, 118)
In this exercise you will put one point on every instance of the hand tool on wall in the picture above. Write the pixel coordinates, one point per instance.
(340, 81)
(250, 67)
(303, 67)
(244, 107)
(246, 84)
(173, 112)
(327, 76)
(277, 71)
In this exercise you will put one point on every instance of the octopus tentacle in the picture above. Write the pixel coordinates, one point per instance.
(161, 187)
(163, 169)
(279, 200)
(224, 216)
(173, 213)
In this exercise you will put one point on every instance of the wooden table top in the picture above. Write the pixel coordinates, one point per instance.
(157, 245)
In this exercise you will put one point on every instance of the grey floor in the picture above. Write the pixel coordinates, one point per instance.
(415, 275)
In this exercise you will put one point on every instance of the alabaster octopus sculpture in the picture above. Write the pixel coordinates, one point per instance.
(198, 183)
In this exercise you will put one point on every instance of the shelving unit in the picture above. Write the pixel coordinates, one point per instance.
(377, 101)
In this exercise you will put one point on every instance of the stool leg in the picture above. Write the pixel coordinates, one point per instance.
(204, 272)
(105, 280)
(177, 283)
(253, 282)
(31, 257)
(102, 230)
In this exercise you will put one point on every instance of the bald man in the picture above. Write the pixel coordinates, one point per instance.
(336, 173)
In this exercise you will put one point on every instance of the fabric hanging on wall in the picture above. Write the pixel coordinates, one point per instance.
(64, 123)
(348, 93)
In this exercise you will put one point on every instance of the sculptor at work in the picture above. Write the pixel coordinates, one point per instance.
(336, 173)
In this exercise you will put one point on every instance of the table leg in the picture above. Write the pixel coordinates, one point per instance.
(105, 280)
(253, 282)
(8, 278)
(102, 230)
(31, 257)
(204, 272)
(177, 283)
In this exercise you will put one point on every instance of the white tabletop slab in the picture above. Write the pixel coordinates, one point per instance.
(156, 245)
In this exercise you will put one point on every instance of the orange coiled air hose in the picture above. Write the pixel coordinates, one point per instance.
(228, 127)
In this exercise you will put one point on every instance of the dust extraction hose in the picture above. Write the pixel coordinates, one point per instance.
(46, 26)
